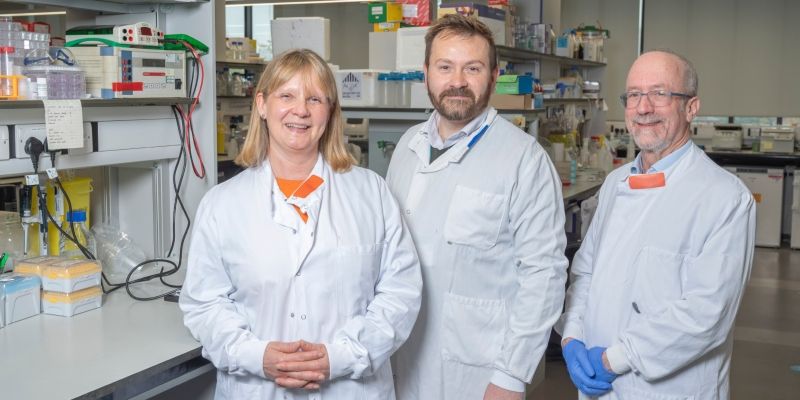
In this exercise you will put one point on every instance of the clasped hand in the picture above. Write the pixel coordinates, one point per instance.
(297, 364)
(586, 368)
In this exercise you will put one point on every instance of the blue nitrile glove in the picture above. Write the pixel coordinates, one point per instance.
(600, 371)
(581, 371)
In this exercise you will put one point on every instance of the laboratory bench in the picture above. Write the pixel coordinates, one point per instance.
(97, 353)
(754, 158)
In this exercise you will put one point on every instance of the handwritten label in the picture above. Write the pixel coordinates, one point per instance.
(64, 124)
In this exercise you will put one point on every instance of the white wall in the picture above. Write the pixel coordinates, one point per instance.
(746, 52)
(621, 18)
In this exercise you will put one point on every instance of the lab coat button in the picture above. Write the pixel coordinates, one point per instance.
(303, 317)
(449, 242)
(408, 211)
(297, 274)
(291, 315)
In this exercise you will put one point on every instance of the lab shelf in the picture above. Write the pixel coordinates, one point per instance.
(139, 102)
(244, 63)
(22, 166)
(522, 55)
(108, 6)
(570, 101)
(411, 114)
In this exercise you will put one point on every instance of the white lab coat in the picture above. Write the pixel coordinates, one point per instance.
(349, 278)
(680, 255)
(488, 223)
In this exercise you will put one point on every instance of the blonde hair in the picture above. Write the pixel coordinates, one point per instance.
(278, 72)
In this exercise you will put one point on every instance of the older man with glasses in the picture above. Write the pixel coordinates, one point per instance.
(657, 282)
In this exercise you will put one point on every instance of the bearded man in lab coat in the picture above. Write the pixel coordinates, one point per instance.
(483, 203)
(659, 277)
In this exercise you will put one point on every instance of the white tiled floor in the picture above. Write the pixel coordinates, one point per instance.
(767, 336)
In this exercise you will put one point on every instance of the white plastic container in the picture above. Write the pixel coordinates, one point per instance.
(382, 91)
(69, 304)
(405, 90)
(71, 275)
(411, 48)
(357, 87)
(20, 297)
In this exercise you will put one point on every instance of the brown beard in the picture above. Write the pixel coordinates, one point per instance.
(476, 106)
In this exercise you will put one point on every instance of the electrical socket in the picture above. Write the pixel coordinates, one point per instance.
(23, 132)
(21, 135)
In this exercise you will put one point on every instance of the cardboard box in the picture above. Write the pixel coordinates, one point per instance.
(510, 101)
(514, 84)
(494, 18)
(385, 12)
(312, 33)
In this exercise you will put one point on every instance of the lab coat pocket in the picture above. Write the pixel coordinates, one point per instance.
(474, 217)
(473, 329)
(658, 280)
(357, 269)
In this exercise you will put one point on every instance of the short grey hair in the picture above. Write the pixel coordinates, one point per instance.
(690, 81)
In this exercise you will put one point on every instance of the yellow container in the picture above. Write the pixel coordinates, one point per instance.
(34, 266)
(79, 190)
(385, 27)
(71, 275)
(69, 304)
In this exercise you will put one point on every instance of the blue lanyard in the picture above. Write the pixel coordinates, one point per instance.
(477, 137)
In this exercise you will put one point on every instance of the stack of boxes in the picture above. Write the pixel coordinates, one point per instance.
(69, 286)
(391, 15)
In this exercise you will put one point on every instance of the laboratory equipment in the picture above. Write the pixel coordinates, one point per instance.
(69, 276)
(69, 304)
(702, 134)
(20, 297)
(777, 139)
(11, 240)
(766, 184)
(115, 72)
(66, 247)
(727, 137)
(138, 34)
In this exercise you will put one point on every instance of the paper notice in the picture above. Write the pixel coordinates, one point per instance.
(64, 124)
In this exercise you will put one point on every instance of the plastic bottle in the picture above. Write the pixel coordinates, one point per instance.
(382, 90)
(405, 91)
(66, 248)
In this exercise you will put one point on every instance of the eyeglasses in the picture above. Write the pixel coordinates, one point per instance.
(658, 98)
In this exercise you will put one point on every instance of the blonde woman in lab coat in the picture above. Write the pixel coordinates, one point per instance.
(302, 278)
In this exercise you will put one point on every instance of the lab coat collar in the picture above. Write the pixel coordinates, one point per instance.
(670, 164)
(281, 210)
(420, 144)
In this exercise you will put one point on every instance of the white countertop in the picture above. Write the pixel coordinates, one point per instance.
(49, 357)
(580, 190)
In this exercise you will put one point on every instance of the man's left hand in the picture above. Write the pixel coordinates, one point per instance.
(494, 392)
